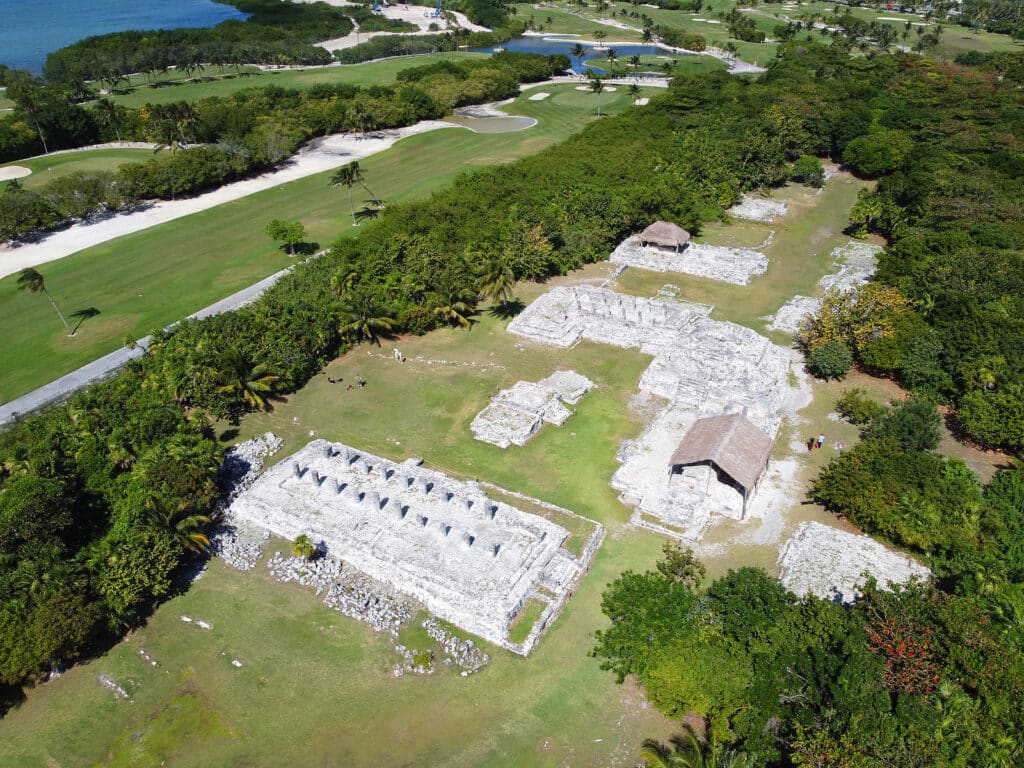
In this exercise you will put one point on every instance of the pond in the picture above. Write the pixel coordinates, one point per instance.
(555, 44)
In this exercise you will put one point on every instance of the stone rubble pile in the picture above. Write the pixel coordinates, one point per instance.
(463, 653)
(754, 208)
(702, 367)
(857, 262)
(793, 313)
(411, 663)
(111, 685)
(238, 543)
(516, 414)
(716, 262)
(829, 563)
(346, 590)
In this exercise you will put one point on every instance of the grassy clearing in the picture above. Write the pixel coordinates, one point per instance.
(49, 167)
(154, 277)
(523, 623)
(316, 686)
(174, 86)
(800, 253)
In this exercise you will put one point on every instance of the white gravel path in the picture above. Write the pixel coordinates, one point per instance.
(321, 155)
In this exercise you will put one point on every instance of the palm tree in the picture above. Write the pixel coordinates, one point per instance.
(363, 318)
(634, 92)
(635, 62)
(647, 35)
(496, 280)
(688, 751)
(453, 304)
(240, 376)
(578, 51)
(597, 86)
(32, 281)
(179, 521)
(106, 111)
(612, 56)
(348, 176)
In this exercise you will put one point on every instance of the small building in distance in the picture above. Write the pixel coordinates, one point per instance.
(731, 444)
(663, 234)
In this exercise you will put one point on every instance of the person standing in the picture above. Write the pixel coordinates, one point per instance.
(821, 439)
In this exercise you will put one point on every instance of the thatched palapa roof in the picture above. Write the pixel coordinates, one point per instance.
(665, 235)
(731, 442)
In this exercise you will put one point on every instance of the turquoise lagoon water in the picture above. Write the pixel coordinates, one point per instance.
(30, 29)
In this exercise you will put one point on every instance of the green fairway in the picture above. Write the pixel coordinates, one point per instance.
(51, 166)
(174, 86)
(559, 19)
(152, 278)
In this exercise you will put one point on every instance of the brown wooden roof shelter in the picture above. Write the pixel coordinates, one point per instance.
(732, 444)
(665, 235)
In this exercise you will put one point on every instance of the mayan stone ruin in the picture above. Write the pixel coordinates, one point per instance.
(516, 414)
(466, 558)
(701, 367)
(761, 209)
(717, 262)
(829, 563)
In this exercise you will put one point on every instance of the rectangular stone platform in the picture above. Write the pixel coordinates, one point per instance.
(467, 558)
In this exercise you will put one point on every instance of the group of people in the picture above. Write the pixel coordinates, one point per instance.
(816, 442)
(358, 379)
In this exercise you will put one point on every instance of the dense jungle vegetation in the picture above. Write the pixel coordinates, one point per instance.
(221, 139)
(789, 682)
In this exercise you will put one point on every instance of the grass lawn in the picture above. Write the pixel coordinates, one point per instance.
(51, 166)
(177, 88)
(316, 687)
(155, 277)
(565, 22)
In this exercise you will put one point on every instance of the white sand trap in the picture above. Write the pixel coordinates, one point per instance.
(890, 18)
(607, 88)
(642, 102)
(829, 563)
(11, 172)
(540, 96)
(516, 414)
(753, 208)
(730, 265)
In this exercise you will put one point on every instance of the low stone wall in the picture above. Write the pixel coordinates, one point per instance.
(716, 262)
(754, 208)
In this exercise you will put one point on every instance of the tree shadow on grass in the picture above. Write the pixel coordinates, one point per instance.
(81, 316)
(506, 310)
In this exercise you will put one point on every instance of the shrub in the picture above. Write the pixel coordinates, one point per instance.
(856, 407)
(303, 546)
(832, 360)
(913, 424)
(808, 169)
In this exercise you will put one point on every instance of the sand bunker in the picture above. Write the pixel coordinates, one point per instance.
(469, 559)
(755, 208)
(606, 89)
(516, 414)
(829, 563)
(641, 102)
(702, 367)
(539, 96)
(11, 172)
(730, 265)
